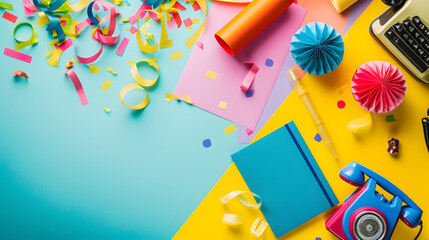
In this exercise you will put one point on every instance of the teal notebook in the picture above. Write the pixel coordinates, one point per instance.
(282, 171)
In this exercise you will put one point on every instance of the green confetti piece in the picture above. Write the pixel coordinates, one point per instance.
(390, 118)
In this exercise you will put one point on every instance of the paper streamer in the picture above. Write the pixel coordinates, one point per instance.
(259, 226)
(77, 7)
(248, 80)
(194, 37)
(317, 48)
(341, 5)
(232, 219)
(379, 87)
(65, 45)
(239, 195)
(77, 84)
(139, 79)
(31, 41)
(244, 27)
(130, 87)
(6, 5)
(17, 55)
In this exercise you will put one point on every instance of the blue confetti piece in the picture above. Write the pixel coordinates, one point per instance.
(250, 92)
(269, 62)
(207, 143)
(318, 239)
(317, 138)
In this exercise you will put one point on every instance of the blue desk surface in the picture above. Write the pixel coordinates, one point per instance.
(69, 171)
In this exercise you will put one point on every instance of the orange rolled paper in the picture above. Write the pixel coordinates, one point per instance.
(244, 27)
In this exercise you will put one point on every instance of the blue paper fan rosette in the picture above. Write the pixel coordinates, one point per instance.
(317, 48)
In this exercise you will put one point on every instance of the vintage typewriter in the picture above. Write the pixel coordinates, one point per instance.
(404, 31)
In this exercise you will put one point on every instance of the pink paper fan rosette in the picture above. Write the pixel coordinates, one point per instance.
(378, 86)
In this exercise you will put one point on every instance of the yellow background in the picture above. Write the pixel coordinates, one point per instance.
(408, 171)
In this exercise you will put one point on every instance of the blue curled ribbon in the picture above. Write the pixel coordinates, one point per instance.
(91, 16)
(54, 23)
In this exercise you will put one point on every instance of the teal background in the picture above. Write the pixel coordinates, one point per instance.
(69, 171)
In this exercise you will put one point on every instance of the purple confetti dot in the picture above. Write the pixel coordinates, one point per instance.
(317, 138)
(250, 92)
(207, 143)
(269, 62)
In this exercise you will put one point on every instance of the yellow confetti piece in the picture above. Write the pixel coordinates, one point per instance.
(211, 75)
(186, 99)
(109, 69)
(176, 55)
(230, 129)
(127, 28)
(106, 85)
(222, 105)
(145, 27)
(131, 63)
(125, 20)
(146, 18)
(106, 109)
(189, 27)
(195, 20)
(94, 69)
(170, 96)
(104, 31)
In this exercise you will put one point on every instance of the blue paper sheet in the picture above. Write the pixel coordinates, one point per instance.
(282, 171)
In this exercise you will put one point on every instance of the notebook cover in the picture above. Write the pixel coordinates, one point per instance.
(282, 171)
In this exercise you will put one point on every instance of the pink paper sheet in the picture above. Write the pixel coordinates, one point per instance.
(65, 45)
(271, 43)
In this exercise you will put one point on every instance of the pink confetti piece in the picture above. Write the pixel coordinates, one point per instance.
(187, 22)
(10, 17)
(196, 6)
(179, 6)
(77, 84)
(200, 45)
(341, 104)
(122, 46)
(82, 25)
(17, 55)
(248, 80)
(133, 30)
(105, 8)
(171, 24)
(96, 7)
(65, 45)
(249, 131)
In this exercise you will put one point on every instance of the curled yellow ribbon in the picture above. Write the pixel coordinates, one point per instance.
(164, 41)
(259, 226)
(194, 37)
(130, 87)
(77, 7)
(239, 195)
(139, 79)
(31, 41)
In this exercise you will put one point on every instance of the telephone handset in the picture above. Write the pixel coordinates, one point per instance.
(368, 215)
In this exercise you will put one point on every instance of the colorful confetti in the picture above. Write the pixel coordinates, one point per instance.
(207, 143)
(341, 104)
